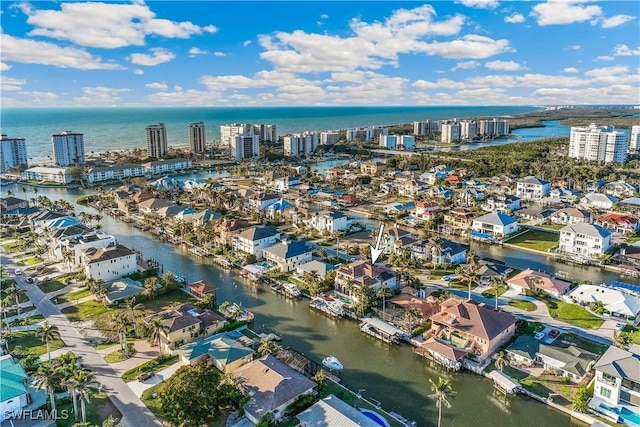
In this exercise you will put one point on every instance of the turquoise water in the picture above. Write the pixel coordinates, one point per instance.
(375, 417)
(122, 128)
(629, 417)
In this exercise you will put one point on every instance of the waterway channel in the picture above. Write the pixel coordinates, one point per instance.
(389, 374)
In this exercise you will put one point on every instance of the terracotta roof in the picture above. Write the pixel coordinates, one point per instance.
(425, 308)
(529, 279)
(109, 252)
(442, 349)
(363, 271)
(473, 319)
(202, 287)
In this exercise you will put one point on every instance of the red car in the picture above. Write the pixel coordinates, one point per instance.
(554, 333)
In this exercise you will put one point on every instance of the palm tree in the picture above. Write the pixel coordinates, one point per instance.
(267, 346)
(47, 334)
(133, 308)
(496, 283)
(156, 329)
(67, 371)
(411, 315)
(384, 292)
(151, 287)
(470, 276)
(441, 392)
(46, 378)
(83, 382)
(14, 292)
(501, 360)
(123, 323)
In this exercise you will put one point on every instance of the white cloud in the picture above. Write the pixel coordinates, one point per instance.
(324, 16)
(559, 12)
(10, 84)
(605, 58)
(177, 88)
(470, 46)
(573, 47)
(107, 25)
(246, 43)
(219, 54)
(623, 50)
(194, 51)
(465, 65)
(138, 71)
(570, 70)
(516, 18)
(612, 22)
(26, 51)
(616, 74)
(479, 4)
(157, 85)
(503, 65)
(542, 80)
(99, 96)
(623, 94)
(158, 56)
(5, 67)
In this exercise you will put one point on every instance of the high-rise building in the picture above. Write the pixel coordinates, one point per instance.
(468, 129)
(329, 138)
(267, 133)
(426, 127)
(390, 142)
(634, 140)
(493, 128)
(244, 146)
(13, 153)
(598, 143)
(450, 132)
(407, 142)
(301, 144)
(197, 137)
(156, 140)
(68, 148)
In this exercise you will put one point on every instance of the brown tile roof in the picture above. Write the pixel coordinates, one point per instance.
(473, 319)
(442, 349)
(529, 279)
(425, 308)
(109, 252)
(202, 287)
(366, 273)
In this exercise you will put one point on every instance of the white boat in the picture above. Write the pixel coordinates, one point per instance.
(332, 363)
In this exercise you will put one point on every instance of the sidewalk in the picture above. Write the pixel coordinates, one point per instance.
(76, 302)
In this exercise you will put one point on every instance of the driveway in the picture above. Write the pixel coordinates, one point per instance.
(134, 412)
(138, 388)
(144, 353)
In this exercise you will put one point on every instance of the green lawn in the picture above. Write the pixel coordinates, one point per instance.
(490, 293)
(12, 247)
(52, 286)
(437, 274)
(72, 296)
(167, 300)
(573, 314)
(32, 260)
(552, 226)
(522, 304)
(28, 321)
(153, 403)
(89, 310)
(535, 239)
(97, 410)
(634, 333)
(585, 344)
(31, 343)
(118, 355)
(154, 365)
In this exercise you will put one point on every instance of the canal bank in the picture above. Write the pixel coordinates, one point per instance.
(392, 375)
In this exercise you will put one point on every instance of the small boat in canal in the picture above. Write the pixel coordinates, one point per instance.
(332, 363)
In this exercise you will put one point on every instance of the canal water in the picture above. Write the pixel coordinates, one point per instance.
(389, 374)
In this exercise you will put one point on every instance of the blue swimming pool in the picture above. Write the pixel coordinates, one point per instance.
(374, 416)
(628, 417)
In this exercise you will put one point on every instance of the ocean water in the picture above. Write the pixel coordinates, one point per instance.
(121, 128)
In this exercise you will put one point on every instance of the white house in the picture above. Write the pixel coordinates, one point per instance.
(570, 215)
(164, 166)
(584, 240)
(598, 201)
(503, 203)
(286, 182)
(495, 224)
(426, 211)
(288, 255)
(80, 243)
(109, 263)
(13, 380)
(47, 173)
(253, 240)
(332, 221)
(615, 301)
(261, 201)
(115, 172)
(532, 188)
(617, 381)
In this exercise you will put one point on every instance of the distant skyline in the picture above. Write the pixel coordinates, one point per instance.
(243, 53)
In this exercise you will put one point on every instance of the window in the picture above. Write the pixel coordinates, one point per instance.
(608, 378)
(605, 392)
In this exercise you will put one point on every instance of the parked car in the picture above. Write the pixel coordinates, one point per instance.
(450, 277)
(17, 272)
(539, 335)
(554, 333)
(29, 279)
(147, 375)
(620, 326)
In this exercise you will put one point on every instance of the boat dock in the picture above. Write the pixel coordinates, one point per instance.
(504, 382)
(328, 307)
(286, 289)
(382, 330)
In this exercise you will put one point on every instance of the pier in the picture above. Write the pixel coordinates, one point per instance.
(382, 330)
(331, 308)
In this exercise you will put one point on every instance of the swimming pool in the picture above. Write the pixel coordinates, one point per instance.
(628, 417)
(375, 417)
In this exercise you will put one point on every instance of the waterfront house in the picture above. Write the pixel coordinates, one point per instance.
(153, 205)
(331, 221)
(254, 240)
(47, 174)
(570, 215)
(391, 235)
(321, 268)
(260, 201)
(226, 351)
(503, 203)
(615, 301)
(472, 327)
(457, 220)
(114, 172)
(225, 229)
(584, 241)
(566, 360)
(426, 211)
(444, 354)
(288, 255)
(363, 273)
(532, 188)
(523, 351)
(13, 387)
(285, 183)
(201, 289)
(77, 239)
(332, 412)
(598, 201)
(617, 379)
(618, 223)
(165, 166)
(109, 262)
(10, 203)
(619, 189)
(425, 307)
(495, 224)
(272, 386)
(121, 290)
(629, 256)
(535, 214)
(186, 323)
(396, 208)
(444, 252)
(538, 281)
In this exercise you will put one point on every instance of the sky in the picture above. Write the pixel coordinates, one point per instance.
(267, 53)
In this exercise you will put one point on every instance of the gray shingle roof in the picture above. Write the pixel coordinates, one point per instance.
(288, 250)
(259, 233)
(331, 411)
(620, 363)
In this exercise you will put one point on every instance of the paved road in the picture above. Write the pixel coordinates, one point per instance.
(134, 412)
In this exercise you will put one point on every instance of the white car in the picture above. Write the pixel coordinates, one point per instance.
(17, 272)
(539, 335)
(619, 326)
(450, 277)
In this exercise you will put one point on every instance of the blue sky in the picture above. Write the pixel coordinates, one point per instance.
(206, 53)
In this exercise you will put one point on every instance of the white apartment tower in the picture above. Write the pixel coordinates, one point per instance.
(13, 153)
(156, 140)
(244, 146)
(297, 145)
(426, 127)
(468, 129)
(267, 133)
(197, 137)
(329, 138)
(598, 144)
(450, 132)
(68, 148)
(634, 140)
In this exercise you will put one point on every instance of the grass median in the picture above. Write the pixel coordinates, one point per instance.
(154, 365)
